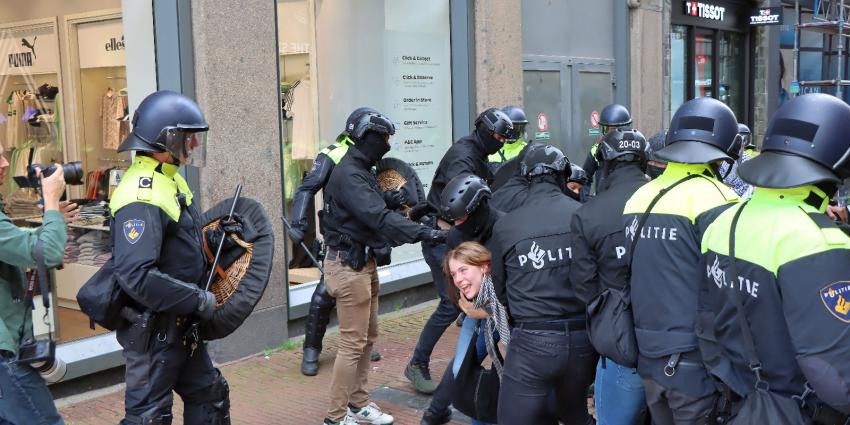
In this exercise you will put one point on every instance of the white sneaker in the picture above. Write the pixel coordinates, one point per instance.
(371, 414)
(349, 419)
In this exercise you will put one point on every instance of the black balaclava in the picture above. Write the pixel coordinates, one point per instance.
(488, 142)
(476, 221)
(372, 145)
(654, 171)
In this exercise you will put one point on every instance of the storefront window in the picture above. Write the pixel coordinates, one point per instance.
(678, 65)
(65, 102)
(731, 79)
(373, 53)
(703, 64)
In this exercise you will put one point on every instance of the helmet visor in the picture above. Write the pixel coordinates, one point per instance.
(518, 132)
(188, 145)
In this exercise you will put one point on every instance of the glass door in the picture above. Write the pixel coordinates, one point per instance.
(731, 82)
(678, 67)
(703, 63)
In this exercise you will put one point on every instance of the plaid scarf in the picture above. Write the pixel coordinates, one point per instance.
(497, 320)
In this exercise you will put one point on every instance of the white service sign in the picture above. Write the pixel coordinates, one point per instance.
(101, 44)
(30, 51)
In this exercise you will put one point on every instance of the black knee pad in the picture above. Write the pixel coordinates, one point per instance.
(321, 298)
(213, 408)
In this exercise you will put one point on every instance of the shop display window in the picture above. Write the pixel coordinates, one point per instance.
(64, 88)
(678, 67)
(336, 56)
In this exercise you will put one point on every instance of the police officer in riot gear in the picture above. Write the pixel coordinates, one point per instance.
(655, 166)
(465, 201)
(466, 156)
(532, 254)
(749, 144)
(665, 270)
(600, 261)
(613, 116)
(516, 141)
(729, 170)
(578, 183)
(791, 267)
(315, 180)
(355, 215)
(158, 261)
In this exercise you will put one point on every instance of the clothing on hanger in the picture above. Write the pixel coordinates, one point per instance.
(111, 112)
(303, 135)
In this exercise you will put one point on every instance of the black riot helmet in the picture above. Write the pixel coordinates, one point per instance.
(371, 121)
(578, 175)
(168, 121)
(614, 115)
(743, 137)
(543, 159)
(805, 143)
(703, 130)
(518, 119)
(494, 121)
(623, 145)
(746, 137)
(656, 143)
(462, 195)
(354, 117)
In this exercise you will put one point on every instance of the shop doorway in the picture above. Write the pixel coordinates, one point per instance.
(709, 63)
(560, 97)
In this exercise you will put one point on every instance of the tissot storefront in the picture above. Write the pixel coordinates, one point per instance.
(710, 54)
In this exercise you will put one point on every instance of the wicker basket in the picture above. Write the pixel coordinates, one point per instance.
(390, 179)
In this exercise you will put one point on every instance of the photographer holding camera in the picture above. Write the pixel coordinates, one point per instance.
(24, 398)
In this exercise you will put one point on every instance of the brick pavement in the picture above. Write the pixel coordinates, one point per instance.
(270, 389)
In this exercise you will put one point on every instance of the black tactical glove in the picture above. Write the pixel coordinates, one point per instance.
(233, 225)
(213, 237)
(296, 233)
(394, 198)
(419, 211)
(437, 236)
(206, 307)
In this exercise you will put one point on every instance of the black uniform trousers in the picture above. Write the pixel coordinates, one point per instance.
(540, 362)
(168, 365)
(446, 312)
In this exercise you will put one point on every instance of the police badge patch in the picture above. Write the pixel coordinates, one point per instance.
(836, 299)
(133, 230)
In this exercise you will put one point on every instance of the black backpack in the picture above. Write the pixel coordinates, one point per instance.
(476, 388)
(101, 297)
(610, 324)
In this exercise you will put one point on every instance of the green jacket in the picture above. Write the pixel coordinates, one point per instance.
(16, 247)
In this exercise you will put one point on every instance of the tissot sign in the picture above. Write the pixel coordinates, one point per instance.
(705, 10)
(713, 14)
(767, 16)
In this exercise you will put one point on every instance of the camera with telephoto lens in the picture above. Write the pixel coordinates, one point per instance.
(73, 174)
(41, 356)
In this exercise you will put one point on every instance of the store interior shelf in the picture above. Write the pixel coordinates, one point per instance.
(825, 83)
(74, 225)
(826, 27)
